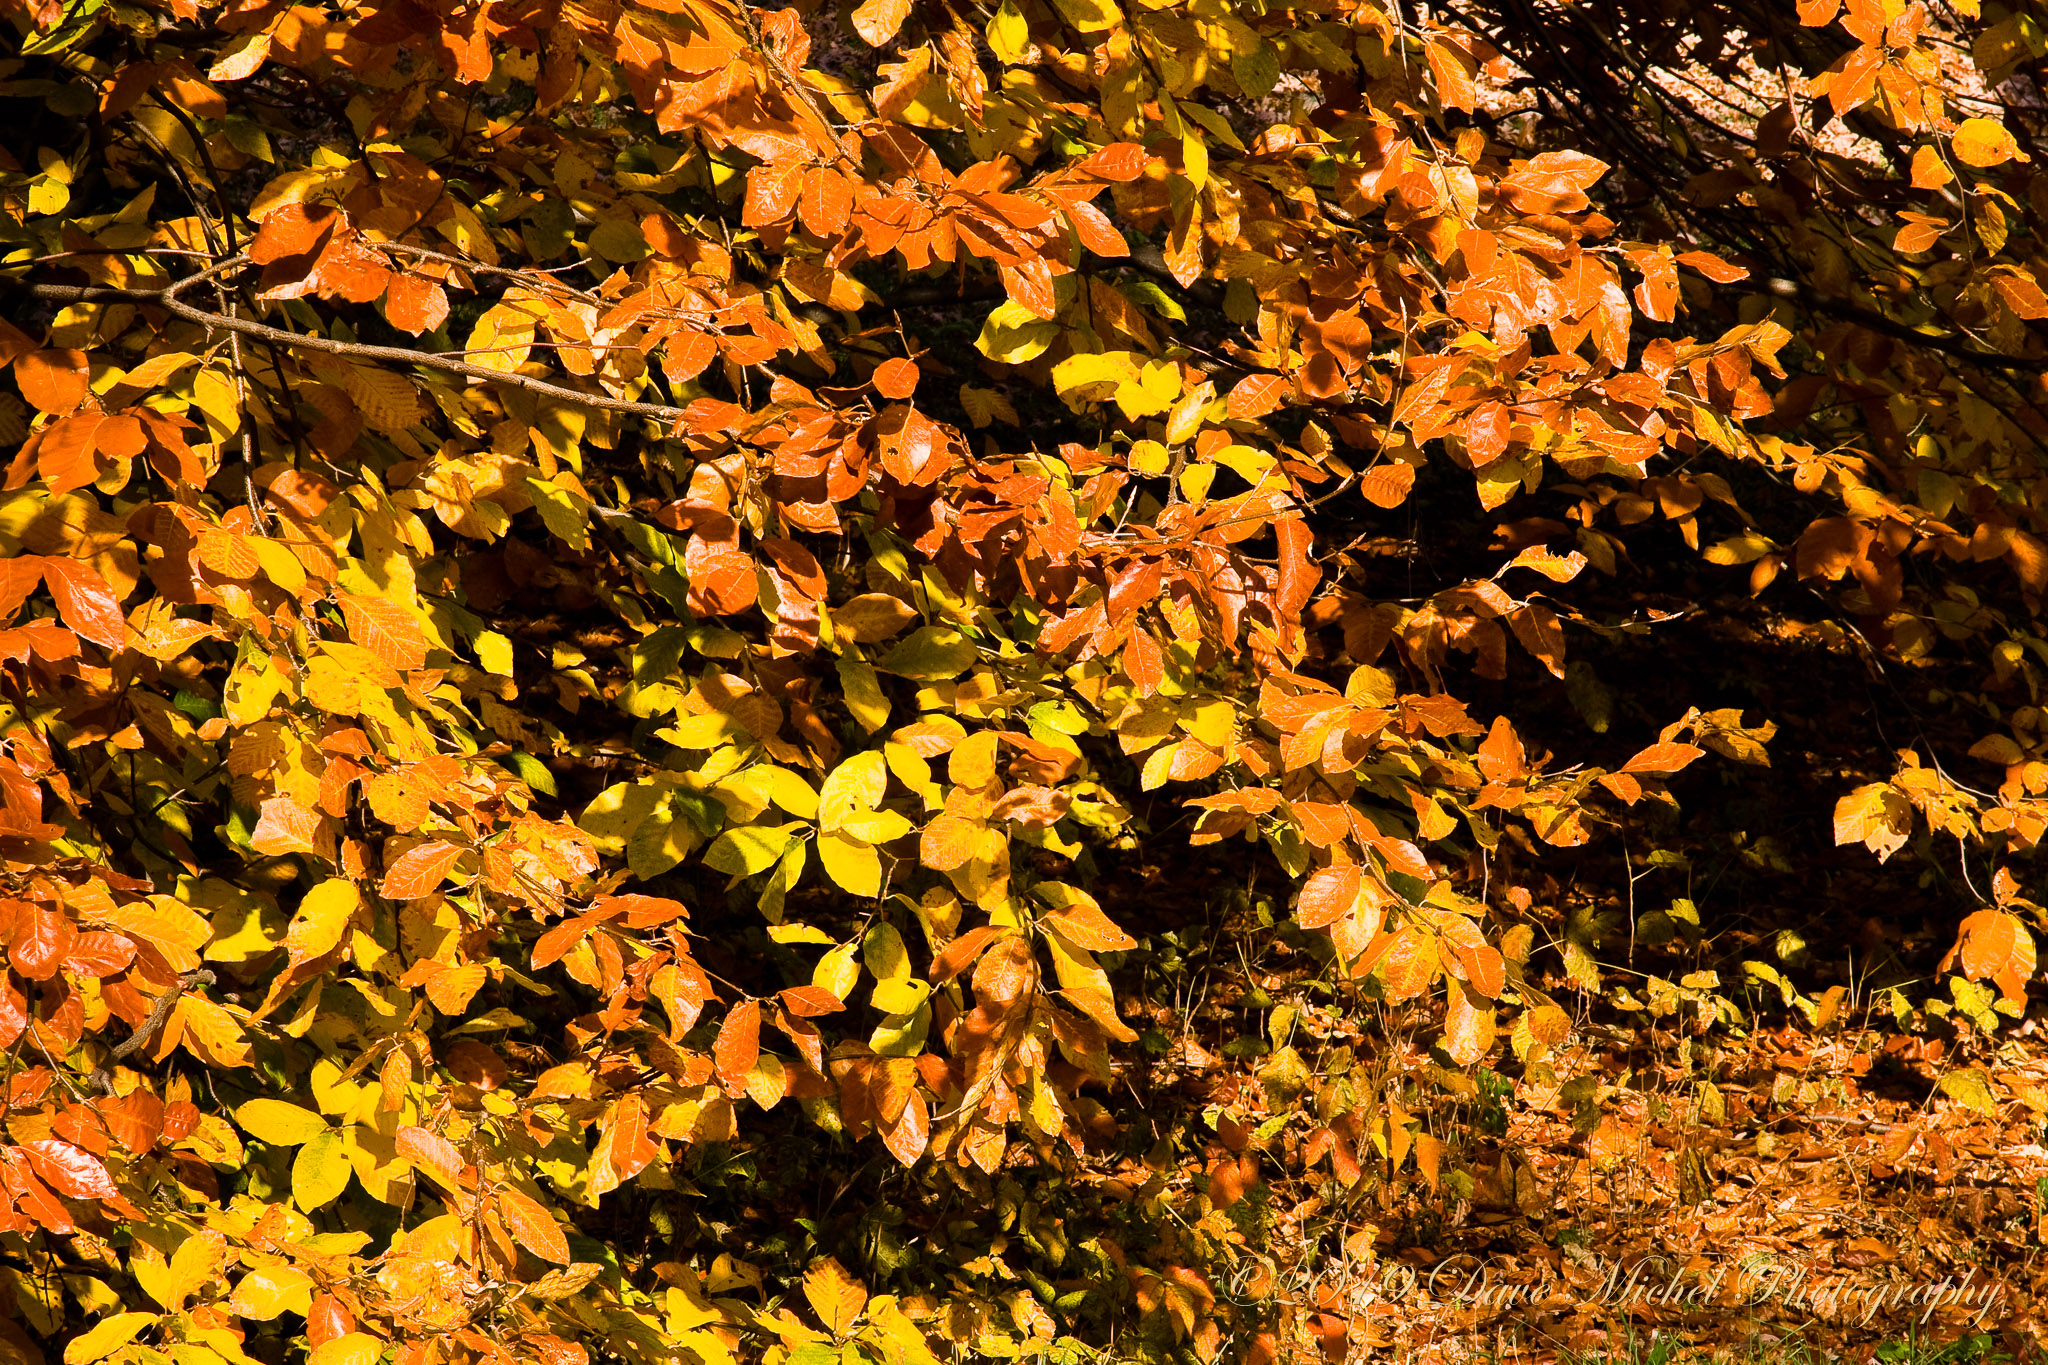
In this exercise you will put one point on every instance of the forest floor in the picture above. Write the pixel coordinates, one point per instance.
(1843, 1205)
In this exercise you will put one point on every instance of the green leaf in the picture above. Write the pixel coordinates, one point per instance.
(748, 849)
(532, 772)
(321, 1171)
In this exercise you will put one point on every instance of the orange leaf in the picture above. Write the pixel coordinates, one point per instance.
(1258, 395)
(907, 1138)
(430, 1151)
(53, 381)
(1454, 70)
(18, 578)
(1117, 162)
(1662, 758)
(1085, 924)
(1485, 969)
(1387, 485)
(1713, 267)
(738, 1045)
(415, 304)
(954, 958)
(291, 230)
(896, 379)
(949, 842)
(533, 1226)
(631, 1149)
(835, 1296)
(419, 870)
(808, 1002)
(1328, 895)
(384, 628)
(84, 600)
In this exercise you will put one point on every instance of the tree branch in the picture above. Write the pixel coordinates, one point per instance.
(167, 299)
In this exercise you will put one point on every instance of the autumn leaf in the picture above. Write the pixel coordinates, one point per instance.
(532, 1225)
(279, 1122)
(321, 1171)
(70, 1170)
(872, 617)
(53, 381)
(415, 305)
(1328, 895)
(420, 869)
(384, 628)
(877, 21)
(834, 1295)
(895, 379)
(85, 601)
(738, 1044)
(431, 1152)
(322, 919)
(1984, 142)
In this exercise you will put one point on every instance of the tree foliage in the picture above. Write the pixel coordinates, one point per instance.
(601, 590)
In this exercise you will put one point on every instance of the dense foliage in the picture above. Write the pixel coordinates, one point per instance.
(648, 640)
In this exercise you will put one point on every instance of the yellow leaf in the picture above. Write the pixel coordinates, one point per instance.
(883, 950)
(321, 1171)
(279, 1123)
(196, 1262)
(1157, 385)
(857, 784)
(503, 337)
(263, 1294)
(1213, 721)
(105, 1337)
(1984, 142)
(862, 692)
(354, 1348)
(1009, 36)
(837, 971)
(852, 864)
(706, 731)
(1186, 418)
(322, 919)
